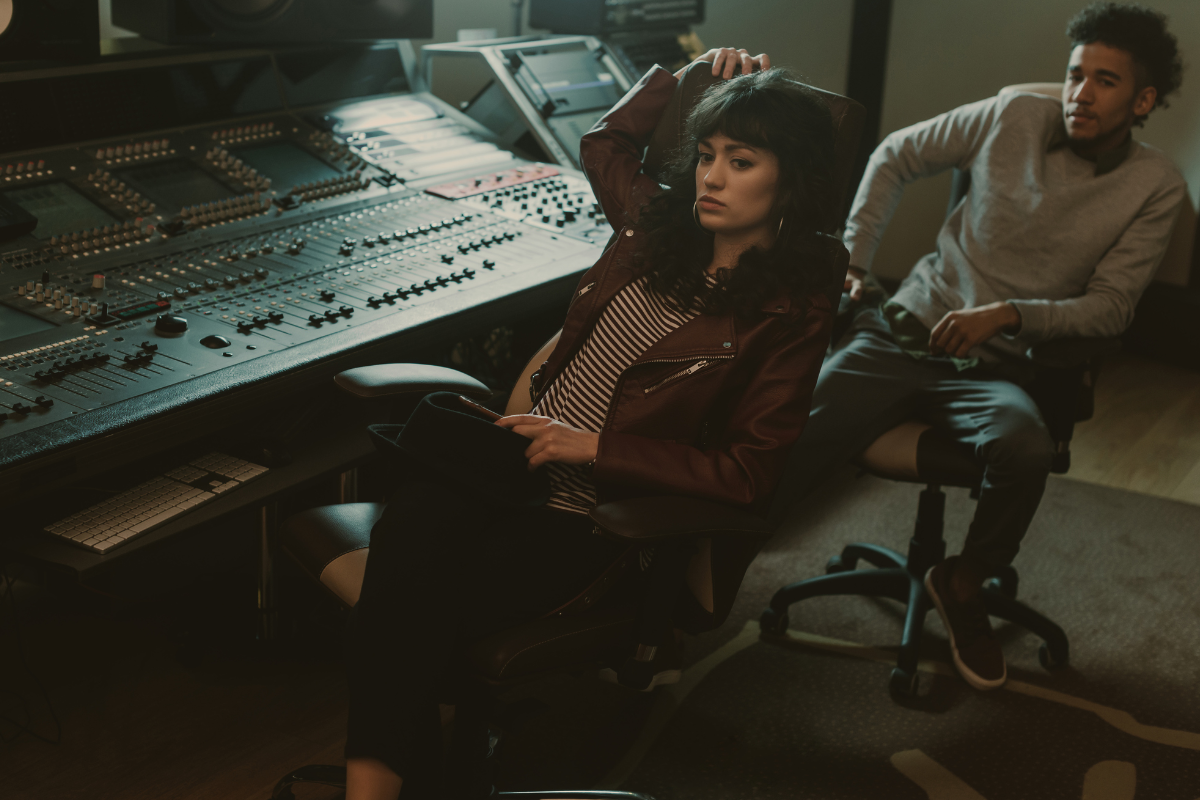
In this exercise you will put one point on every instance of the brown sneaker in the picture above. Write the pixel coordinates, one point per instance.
(974, 647)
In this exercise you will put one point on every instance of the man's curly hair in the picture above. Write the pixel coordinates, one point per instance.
(1139, 31)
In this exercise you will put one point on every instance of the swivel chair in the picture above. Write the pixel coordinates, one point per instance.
(331, 543)
(915, 452)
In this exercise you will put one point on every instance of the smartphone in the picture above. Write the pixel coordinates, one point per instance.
(486, 413)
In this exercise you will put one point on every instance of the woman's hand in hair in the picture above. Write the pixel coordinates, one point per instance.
(729, 61)
(552, 440)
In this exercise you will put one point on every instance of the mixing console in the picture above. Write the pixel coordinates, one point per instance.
(171, 255)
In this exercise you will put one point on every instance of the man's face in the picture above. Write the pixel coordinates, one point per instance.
(1101, 97)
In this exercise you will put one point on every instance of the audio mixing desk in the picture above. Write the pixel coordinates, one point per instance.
(176, 262)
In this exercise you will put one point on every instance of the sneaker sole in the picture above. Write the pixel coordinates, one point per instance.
(609, 675)
(982, 684)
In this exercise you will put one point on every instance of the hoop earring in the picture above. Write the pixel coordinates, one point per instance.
(779, 233)
(696, 216)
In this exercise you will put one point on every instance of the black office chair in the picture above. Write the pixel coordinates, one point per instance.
(915, 452)
(331, 543)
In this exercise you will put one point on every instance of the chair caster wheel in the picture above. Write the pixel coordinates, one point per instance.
(903, 685)
(835, 565)
(1051, 660)
(774, 622)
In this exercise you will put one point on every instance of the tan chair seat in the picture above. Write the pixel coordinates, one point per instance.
(916, 452)
(330, 543)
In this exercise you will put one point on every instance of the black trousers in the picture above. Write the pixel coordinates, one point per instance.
(446, 569)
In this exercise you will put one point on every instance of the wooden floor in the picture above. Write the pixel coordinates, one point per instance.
(1145, 435)
(138, 725)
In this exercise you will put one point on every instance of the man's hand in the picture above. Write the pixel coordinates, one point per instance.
(727, 61)
(854, 287)
(552, 440)
(959, 331)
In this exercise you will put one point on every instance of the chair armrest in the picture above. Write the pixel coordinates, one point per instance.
(1065, 353)
(392, 380)
(654, 520)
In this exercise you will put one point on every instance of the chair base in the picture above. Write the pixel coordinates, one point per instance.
(332, 775)
(903, 579)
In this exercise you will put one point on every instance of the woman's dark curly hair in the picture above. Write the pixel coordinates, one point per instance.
(1138, 31)
(767, 110)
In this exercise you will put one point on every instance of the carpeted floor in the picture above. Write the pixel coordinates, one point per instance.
(1116, 570)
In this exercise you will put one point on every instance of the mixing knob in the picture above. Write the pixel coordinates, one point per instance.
(170, 323)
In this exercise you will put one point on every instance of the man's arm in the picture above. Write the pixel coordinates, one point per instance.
(948, 140)
(1104, 309)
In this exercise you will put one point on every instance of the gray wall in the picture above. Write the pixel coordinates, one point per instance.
(944, 53)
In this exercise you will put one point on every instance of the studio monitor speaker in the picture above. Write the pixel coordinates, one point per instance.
(57, 30)
(274, 21)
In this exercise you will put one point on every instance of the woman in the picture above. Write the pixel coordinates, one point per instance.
(685, 366)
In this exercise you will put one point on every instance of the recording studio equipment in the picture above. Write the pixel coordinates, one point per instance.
(601, 17)
(197, 239)
(49, 30)
(639, 33)
(541, 94)
(148, 505)
(274, 21)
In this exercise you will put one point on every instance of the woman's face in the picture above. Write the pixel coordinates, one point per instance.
(735, 187)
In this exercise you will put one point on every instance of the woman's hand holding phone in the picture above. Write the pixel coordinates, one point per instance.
(553, 440)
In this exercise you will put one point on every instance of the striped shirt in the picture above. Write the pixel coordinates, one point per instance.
(581, 394)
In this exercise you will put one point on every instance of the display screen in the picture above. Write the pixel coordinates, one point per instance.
(98, 104)
(59, 208)
(286, 164)
(575, 81)
(326, 75)
(175, 183)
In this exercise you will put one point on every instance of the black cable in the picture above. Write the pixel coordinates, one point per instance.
(26, 727)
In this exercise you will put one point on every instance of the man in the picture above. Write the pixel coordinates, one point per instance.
(1064, 225)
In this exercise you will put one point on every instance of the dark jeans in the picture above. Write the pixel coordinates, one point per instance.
(445, 570)
(870, 385)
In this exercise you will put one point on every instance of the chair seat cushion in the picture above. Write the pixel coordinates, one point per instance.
(916, 452)
(330, 544)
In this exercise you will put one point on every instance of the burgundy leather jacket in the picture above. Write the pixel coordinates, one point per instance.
(712, 409)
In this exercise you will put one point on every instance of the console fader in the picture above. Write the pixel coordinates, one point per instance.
(171, 256)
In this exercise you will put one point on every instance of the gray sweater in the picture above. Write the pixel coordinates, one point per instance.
(1071, 243)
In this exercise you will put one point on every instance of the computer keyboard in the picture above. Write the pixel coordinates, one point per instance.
(131, 513)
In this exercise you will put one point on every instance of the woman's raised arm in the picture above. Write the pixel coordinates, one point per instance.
(611, 152)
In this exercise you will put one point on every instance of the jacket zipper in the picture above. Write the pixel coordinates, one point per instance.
(585, 290)
(612, 403)
(694, 368)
